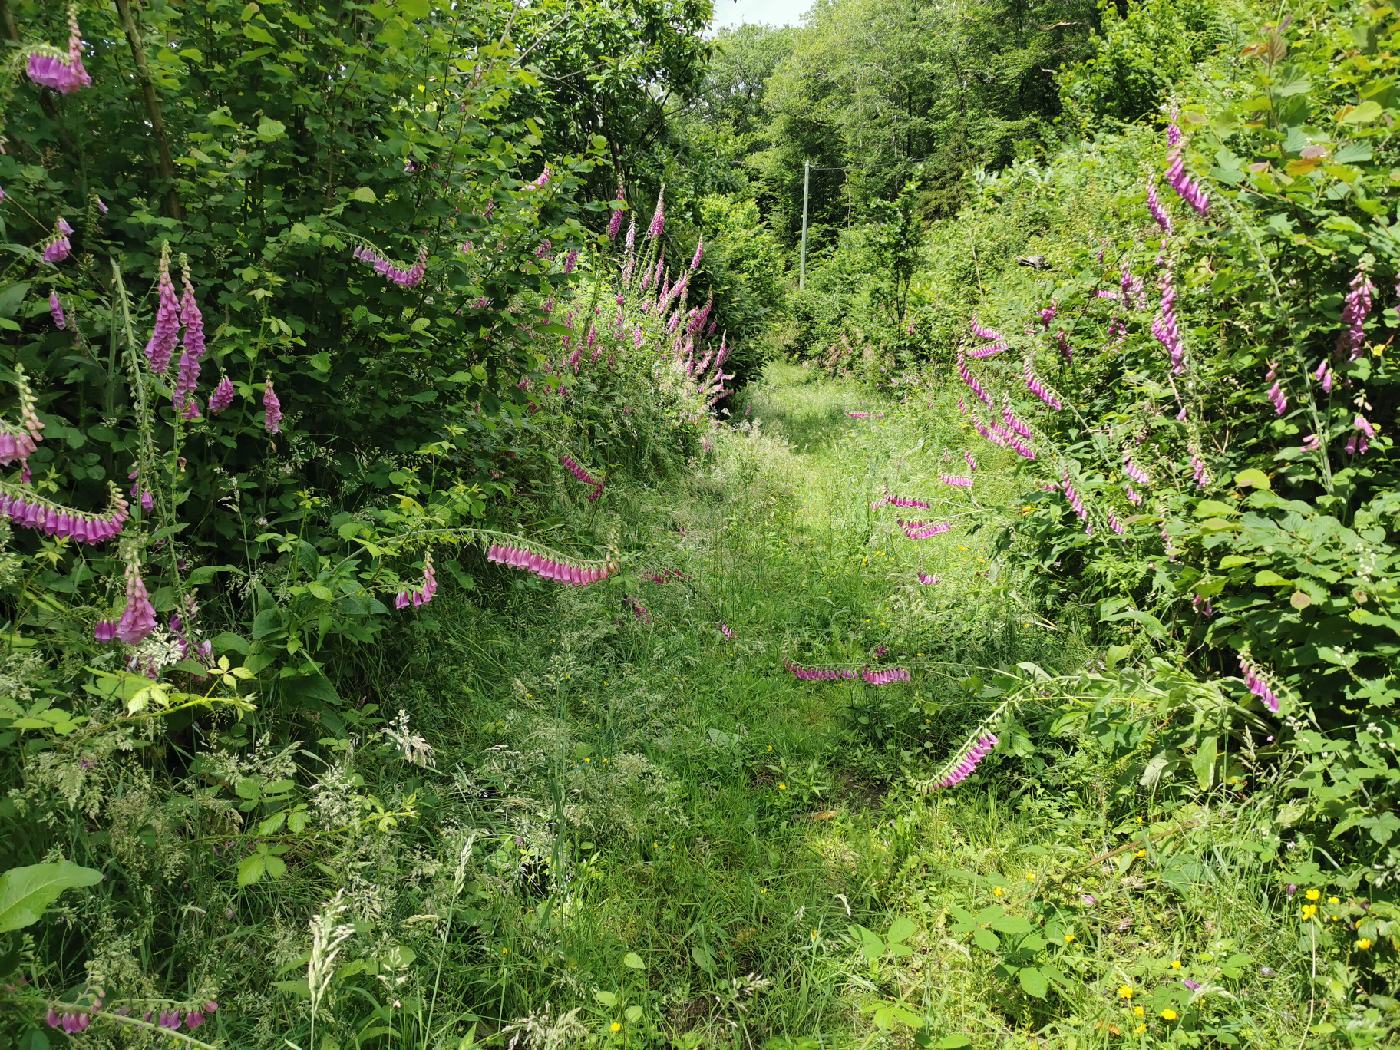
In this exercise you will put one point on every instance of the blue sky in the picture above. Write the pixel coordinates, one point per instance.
(761, 12)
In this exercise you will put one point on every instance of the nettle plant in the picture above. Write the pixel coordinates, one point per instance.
(1206, 400)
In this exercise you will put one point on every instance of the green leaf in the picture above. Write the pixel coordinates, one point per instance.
(633, 961)
(414, 8)
(953, 1042)
(251, 869)
(900, 930)
(986, 940)
(270, 130)
(1269, 578)
(1014, 925)
(1213, 508)
(1033, 982)
(1252, 479)
(363, 194)
(26, 892)
(1362, 114)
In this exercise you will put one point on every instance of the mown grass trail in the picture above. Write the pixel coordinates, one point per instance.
(678, 844)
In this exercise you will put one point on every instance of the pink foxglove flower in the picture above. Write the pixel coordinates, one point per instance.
(907, 502)
(1062, 342)
(821, 674)
(138, 619)
(1165, 328)
(1311, 443)
(542, 179)
(1324, 375)
(971, 463)
(1363, 433)
(60, 321)
(924, 530)
(972, 384)
(1115, 524)
(105, 631)
(166, 332)
(1179, 179)
(1134, 471)
(1134, 497)
(927, 580)
(885, 677)
(965, 763)
(1154, 205)
(615, 219)
(1355, 309)
(222, 396)
(272, 409)
(658, 217)
(187, 375)
(1280, 402)
(1072, 495)
(699, 254)
(1040, 390)
(1257, 684)
(548, 568)
(956, 481)
(986, 334)
(1012, 424)
(63, 74)
(409, 277)
(981, 353)
(58, 247)
(1199, 471)
(422, 594)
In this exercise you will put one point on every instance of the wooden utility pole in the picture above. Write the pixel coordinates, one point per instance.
(802, 266)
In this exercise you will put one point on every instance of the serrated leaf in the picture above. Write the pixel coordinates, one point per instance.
(26, 892)
(251, 869)
(363, 194)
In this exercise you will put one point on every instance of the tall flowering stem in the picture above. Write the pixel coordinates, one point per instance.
(1165, 327)
(1257, 684)
(272, 409)
(549, 568)
(187, 376)
(1187, 188)
(968, 378)
(1355, 309)
(166, 332)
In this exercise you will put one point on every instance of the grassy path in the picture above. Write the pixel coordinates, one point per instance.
(676, 843)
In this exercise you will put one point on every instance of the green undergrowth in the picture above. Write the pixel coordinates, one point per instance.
(639, 833)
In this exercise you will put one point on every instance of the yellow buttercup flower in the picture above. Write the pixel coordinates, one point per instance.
(1030, 876)
(616, 1026)
(1140, 1029)
(1363, 943)
(1070, 938)
(997, 891)
(1140, 854)
(1334, 900)
(1309, 911)
(1176, 964)
(1125, 992)
(1313, 895)
(1169, 1014)
(1138, 1011)
(782, 786)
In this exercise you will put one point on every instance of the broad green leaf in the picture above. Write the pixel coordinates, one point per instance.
(1033, 982)
(363, 194)
(633, 961)
(26, 892)
(1362, 114)
(1252, 479)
